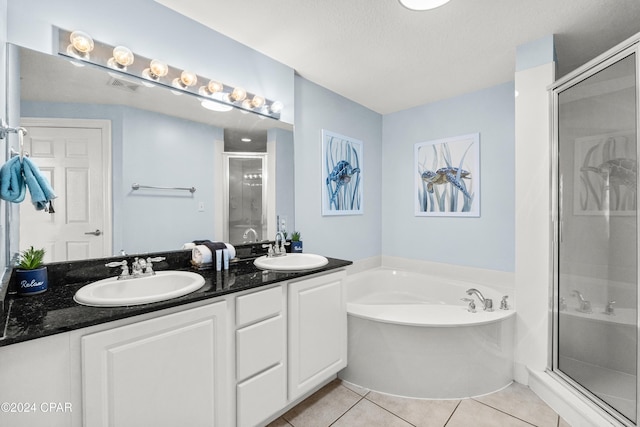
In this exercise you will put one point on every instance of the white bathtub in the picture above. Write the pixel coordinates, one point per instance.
(410, 335)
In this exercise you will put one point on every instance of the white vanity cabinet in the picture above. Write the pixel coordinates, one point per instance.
(317, 331)
(261, 344)
(167, 371)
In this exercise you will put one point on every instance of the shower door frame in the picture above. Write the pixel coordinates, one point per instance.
(629, 47)
(227, 156)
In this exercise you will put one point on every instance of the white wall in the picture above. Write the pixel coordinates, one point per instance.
(533, 213)
(486, 242)
(352, 237)
(4, 150)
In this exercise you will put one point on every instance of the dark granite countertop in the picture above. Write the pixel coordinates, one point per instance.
(55, 311)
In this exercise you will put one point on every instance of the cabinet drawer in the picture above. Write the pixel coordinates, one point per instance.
(261, 396)
(260, 346)
(258, 305)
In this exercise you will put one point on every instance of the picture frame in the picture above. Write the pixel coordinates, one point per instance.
(447, 177)
(342, 174)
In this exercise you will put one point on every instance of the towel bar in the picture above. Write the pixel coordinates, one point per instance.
(135, 186)
(6, 129)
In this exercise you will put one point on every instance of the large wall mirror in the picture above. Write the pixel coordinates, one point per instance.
(95, 133)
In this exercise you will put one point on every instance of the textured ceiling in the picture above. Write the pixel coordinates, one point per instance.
(387, 58)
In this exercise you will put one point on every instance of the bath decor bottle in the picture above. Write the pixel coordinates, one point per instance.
(30, 275)
(296, 243)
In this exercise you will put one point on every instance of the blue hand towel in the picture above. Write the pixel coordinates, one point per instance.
(39, 188)
(12, 187)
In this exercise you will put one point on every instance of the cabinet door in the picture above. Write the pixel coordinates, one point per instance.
(261, 396)
(166, 371)
(317, 332)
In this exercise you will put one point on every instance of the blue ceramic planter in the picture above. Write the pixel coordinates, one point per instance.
(296, 247)
(31, 282)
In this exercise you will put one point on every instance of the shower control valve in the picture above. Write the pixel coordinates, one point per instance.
(472, 304)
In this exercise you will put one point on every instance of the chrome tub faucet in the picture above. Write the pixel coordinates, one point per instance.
(585, 305)
(487, 303)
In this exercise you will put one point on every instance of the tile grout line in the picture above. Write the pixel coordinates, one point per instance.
(392, 413)
(504, 412)
(452, 412)
(350, 408)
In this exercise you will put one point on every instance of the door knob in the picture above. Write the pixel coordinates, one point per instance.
(95, 233)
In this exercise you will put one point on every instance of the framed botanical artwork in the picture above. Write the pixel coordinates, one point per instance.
(342, 169)
(605, 170)
(447, 176)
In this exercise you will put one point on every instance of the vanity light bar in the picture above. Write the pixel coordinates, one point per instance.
(80, 47)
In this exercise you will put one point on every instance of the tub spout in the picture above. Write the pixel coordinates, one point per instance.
(487, 303)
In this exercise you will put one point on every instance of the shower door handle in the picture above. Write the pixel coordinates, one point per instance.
(95, 233)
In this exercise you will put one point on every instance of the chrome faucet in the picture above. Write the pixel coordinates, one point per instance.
(585, 306)
(279, 250)
(140, 267)
(246, 234)
(487, 303)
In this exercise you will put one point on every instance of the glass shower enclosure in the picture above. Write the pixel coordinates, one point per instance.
(595, 181)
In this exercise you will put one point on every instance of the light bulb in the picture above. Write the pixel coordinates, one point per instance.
(187, 79)
(156, 70)
(211, 88)
(122, 57)
(276, 107)
(81, 41)
(246, 104)
(257, 101)
(81, 44)
(215, 86)
(238, 94)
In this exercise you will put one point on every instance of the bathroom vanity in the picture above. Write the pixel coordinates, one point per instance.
(241, 350)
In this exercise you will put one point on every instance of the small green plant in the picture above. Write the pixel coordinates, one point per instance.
(31, 258)
(295, 236)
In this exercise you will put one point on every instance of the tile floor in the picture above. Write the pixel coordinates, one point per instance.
(340, 404)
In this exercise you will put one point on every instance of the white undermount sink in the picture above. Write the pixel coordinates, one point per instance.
(291, 262)
(162, 286)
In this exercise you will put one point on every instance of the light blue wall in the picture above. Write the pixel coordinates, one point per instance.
(167, 152)
(152, 149)
(484, 242)
(154, 31)
(350, 237)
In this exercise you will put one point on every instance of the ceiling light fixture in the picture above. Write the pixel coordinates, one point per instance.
(422, 4)
(77, 45)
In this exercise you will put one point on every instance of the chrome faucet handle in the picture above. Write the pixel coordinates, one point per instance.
(125, 268)
(270, 251)
(609, 308)
(150, 261)
(472, 304)
(504, 305)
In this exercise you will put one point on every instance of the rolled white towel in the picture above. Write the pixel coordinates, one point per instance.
(188, 246)
(201, 255)
(232, 250)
